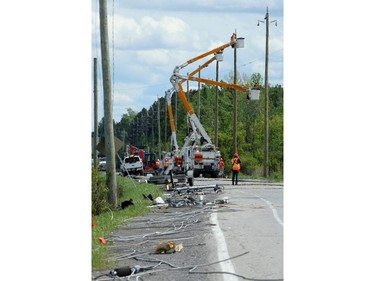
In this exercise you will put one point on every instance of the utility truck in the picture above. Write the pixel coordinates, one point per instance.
(199, 153)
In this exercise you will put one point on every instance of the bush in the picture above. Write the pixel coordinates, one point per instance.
(248, 164)
(278, 176)
(110, 220)
(99, 192)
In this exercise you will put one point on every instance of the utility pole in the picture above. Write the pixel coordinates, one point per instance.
(199, 96)
(265, 158)
(219, 58)
(235, 99)
(146, 128)
(217, 106)
(152, 128)
(175, 109)
(124, 141)
(108, 119)
(136, 131)
(187, 115)
(165, 124)
(187, 90)
(159, 136)
(95, 141)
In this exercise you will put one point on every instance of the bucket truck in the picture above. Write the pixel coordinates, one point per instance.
(206, 156)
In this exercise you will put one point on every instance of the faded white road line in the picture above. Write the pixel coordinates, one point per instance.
(222, 250)
(274, 211)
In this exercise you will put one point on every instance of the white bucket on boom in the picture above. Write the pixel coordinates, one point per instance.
(254, 94)
(240, 42)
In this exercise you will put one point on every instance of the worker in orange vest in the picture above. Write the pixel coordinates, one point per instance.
(157, 166)
(221, 167)
(235, 167)
(166, 163)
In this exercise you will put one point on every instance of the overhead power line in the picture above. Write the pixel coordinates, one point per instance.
(242, 65)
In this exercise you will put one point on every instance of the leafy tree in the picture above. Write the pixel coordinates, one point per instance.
(250, 117)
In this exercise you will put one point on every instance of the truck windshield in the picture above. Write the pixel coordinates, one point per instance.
(131, 160)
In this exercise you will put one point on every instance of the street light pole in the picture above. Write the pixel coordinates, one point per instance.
(265, 158)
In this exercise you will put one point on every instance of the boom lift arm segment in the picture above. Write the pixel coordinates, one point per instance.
(217, 83)
(177, 80)
(222, 47)
(168, 94)
(174, 144)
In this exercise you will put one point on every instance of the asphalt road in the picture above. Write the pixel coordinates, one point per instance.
(252, 223)
(247, 231)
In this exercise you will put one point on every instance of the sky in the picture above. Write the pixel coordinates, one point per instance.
(147, 39)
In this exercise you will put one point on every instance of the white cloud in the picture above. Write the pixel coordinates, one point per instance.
(148, 32)
(155, 57)
(152, 37)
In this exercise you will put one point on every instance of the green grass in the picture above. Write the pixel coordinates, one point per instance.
(277, 177)
(110, 220)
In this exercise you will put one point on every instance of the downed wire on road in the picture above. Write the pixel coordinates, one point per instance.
(150, 269)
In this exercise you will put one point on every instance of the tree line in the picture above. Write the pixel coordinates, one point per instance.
(142, 128)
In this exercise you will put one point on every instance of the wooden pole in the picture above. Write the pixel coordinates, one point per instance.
(235, 101)
(95, 141)
(108, 119)
(199, 96)
(217, 107)
(159, 131)
(265, 159)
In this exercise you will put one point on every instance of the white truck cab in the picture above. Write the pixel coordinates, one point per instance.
(132, 165)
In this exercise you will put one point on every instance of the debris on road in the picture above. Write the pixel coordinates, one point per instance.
(165, 248)
(148, 197)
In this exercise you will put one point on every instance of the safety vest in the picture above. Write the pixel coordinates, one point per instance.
(235, 165)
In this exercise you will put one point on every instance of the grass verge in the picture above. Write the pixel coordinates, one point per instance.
(110, 220)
